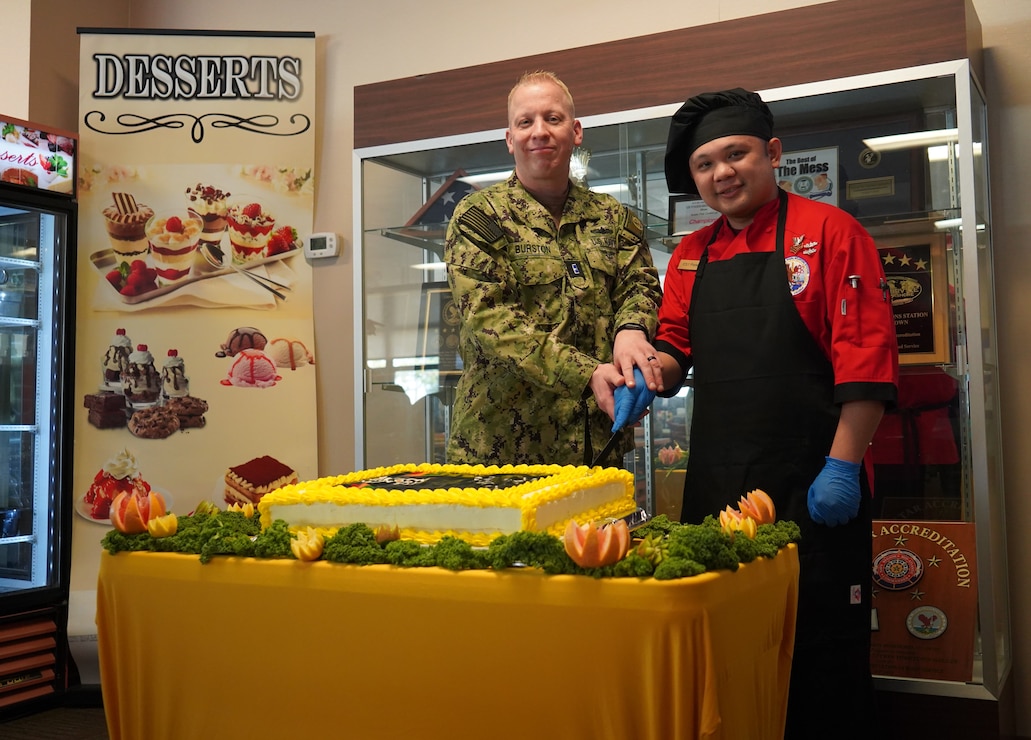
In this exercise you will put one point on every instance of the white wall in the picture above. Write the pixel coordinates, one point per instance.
(14, 88)
(359, 43)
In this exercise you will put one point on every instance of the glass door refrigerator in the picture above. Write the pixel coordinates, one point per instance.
(37, 232)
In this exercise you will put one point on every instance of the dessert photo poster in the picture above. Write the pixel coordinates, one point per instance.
(194, 316)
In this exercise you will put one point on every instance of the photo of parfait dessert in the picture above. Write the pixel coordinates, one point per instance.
(173, 240)
(249, 229)
(126, 227)
(208, 203)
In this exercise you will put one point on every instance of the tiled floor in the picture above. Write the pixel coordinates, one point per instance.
(77, 714)
(63, 723)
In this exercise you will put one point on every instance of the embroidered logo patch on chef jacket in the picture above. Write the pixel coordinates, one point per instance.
(798, 274)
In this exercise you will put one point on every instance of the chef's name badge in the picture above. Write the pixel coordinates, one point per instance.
(688, 265)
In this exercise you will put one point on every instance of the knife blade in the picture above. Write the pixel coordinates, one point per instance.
(609, 446)
(634, 520)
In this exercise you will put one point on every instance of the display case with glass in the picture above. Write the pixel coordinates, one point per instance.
(905, 152)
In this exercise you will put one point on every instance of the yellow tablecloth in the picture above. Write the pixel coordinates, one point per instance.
(243, 648)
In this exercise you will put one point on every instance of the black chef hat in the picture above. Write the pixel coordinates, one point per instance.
(710, 116)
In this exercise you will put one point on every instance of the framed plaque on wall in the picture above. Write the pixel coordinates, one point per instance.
(867, 183)
(915, 270)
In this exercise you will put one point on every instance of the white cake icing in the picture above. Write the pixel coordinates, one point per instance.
(550, 497)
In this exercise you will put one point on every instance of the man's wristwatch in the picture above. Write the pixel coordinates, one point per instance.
(638, 327)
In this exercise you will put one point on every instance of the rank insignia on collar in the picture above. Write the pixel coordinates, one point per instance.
(796, 243)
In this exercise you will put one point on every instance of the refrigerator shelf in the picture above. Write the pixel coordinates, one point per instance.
(17, 539)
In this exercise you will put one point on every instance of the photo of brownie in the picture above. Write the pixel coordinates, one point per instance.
(106, 409)
(107, 419)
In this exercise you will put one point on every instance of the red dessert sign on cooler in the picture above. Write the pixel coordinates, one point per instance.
(36, 158)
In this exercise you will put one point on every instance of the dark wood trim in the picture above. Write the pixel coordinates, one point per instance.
(789, 47)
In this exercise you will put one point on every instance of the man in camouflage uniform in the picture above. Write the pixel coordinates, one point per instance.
(558, 297)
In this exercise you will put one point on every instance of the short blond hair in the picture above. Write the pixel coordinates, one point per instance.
(538, 77)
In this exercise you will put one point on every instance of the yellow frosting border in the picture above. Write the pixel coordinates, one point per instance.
(554, 483)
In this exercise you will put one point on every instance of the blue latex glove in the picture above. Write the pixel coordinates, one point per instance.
(631, 403)
(834, 495)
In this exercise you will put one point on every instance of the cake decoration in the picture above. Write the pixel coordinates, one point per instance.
(475, 503)
(307, 545)
(667, 549)
(131, 511)
(591, 546)
(162, 526)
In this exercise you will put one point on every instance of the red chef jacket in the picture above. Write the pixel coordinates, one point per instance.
(850, 318)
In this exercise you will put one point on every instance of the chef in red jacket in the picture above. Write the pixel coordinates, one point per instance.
(782, 309)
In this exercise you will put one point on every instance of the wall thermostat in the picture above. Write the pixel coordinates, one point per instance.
(321, 245)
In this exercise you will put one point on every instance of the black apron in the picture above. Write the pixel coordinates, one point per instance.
(764, 417)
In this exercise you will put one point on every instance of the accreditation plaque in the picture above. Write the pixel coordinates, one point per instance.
(924, 599)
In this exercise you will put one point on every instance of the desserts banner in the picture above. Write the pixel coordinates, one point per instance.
(925, 599)
(194, 332)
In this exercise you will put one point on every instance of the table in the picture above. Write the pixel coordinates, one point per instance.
(246, 648)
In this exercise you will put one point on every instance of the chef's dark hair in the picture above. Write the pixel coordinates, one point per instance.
(709, 116)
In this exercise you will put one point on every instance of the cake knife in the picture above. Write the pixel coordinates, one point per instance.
(609, 446)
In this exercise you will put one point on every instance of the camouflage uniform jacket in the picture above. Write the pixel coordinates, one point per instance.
(539, 309)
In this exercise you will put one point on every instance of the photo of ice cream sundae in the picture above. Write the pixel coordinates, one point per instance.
(141, 382)
(116, 359)
(174, 383)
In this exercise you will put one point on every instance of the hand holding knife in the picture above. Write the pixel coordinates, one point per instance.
(630, 405)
